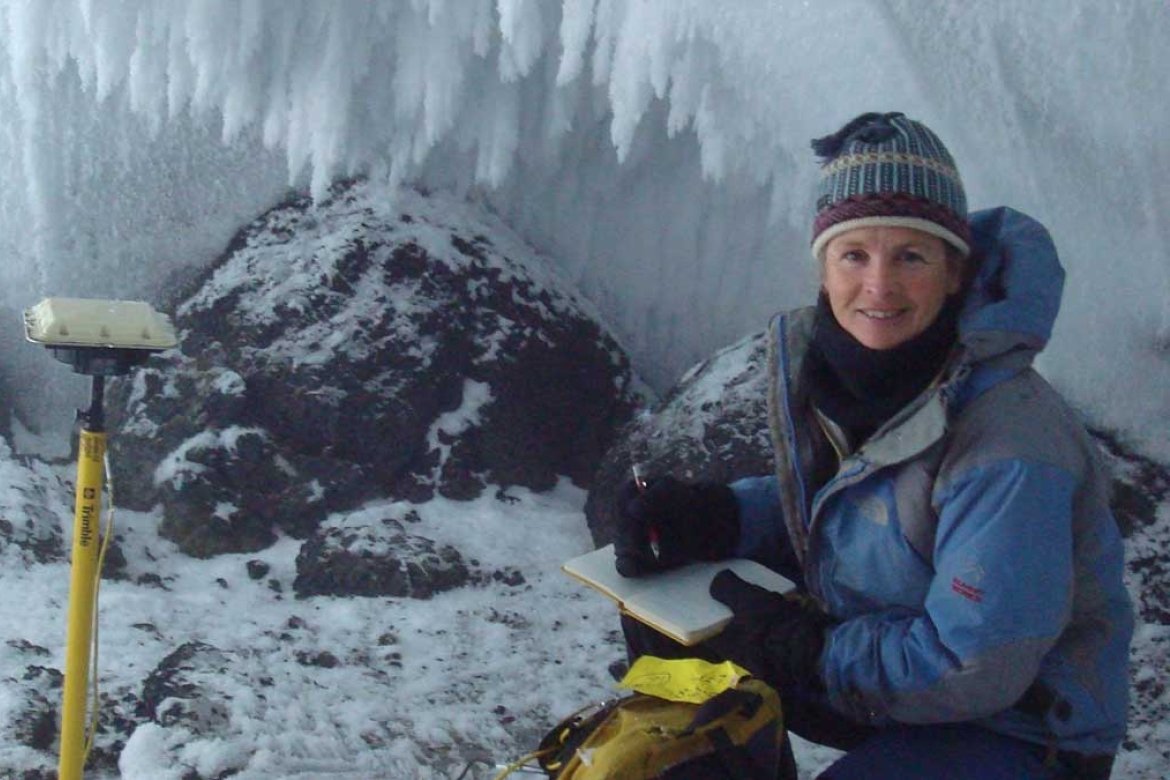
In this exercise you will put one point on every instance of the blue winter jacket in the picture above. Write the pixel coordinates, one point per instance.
(967, 546)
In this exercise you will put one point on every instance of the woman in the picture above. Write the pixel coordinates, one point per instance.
(934, 496)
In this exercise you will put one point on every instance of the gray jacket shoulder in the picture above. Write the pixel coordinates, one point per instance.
(1022, 418)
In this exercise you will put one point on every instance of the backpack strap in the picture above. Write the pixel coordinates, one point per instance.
(739, 765)
(724, 703)
(745, 702)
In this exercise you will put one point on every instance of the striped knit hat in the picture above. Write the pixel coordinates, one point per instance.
(885, 169)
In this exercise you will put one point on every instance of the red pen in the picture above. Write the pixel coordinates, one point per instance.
(652, 531)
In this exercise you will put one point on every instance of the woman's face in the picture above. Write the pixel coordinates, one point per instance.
(887, 284)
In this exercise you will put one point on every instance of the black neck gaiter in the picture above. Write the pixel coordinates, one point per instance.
(860, 388)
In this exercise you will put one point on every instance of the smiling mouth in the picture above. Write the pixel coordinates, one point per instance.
(874, 314)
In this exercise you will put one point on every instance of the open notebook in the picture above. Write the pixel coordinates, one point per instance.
(674, 602)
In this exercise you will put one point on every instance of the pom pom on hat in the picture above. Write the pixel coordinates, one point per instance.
(885, 169)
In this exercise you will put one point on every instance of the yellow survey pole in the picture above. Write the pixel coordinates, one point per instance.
(98, 338)
(83, 582)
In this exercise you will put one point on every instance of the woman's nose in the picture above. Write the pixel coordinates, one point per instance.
(880, 276)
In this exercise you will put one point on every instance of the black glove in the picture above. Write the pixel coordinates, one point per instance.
(686, 522)
(779, 639)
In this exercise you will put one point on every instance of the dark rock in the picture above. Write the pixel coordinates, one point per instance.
(114, 562)
(209, 506)
(376, 560)
(36, 692)
(1140, 484)
(10, 398)
(509, 576)
(323, 659)
(503, 497)
(1140, 487)
(257, 570)
(173, 694)
(38, 727)
(151, 578)
(25, 646)
(148, 628)
(345, 350)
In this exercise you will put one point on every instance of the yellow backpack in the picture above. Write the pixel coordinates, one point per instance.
(736, 732)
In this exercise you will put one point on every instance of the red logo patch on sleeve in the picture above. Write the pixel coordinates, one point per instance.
(966, 590)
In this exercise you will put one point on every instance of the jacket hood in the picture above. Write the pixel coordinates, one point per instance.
(1015, 297)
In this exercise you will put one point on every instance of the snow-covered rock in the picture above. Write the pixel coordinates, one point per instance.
(33, 511)
(1141, 501)
(174, 692)
(374, 343)
(30, 714)
(712, 425)
(377, 559)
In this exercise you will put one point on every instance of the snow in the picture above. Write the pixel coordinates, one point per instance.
(474, 672)
(656, 151)
(476, 395)
(454, 660)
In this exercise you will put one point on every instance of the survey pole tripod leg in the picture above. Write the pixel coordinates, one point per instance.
(83, 584)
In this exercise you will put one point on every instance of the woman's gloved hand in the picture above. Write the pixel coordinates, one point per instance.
(779, 639)
(669, 523)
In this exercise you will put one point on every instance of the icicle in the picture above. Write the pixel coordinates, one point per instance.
(576, 26)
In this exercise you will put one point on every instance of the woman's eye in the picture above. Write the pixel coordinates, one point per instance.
(913, 257)
(852, 257)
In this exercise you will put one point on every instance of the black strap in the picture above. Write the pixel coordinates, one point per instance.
(736, 759)
(723, 703)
